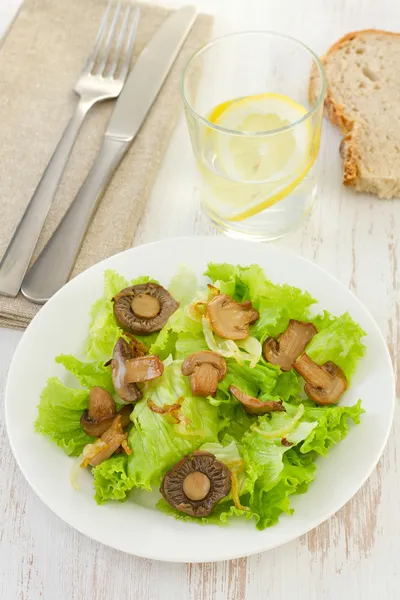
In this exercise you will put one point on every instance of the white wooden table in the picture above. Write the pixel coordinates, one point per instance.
(354, 555)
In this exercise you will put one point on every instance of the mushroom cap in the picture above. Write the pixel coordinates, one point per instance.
(212, 491)
(100, 412)
(254, 406)
(127, 392)
(325, 384)
(290, 345)
(146, 320)
(205, 369)
(192, 362)
(230, 319)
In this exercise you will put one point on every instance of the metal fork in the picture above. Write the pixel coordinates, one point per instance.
(102, 78)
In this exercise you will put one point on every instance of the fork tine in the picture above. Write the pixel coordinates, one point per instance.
(121, 36)
(109, 40)
(129, 45)
(99, 39)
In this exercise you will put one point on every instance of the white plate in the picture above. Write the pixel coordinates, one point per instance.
(137, 528)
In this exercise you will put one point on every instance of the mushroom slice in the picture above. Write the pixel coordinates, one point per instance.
(105, 446)
(143, 368)
(325, 383)
(205, 369)
(144, 308)
(127, 392)
(291, 344)
(196, 483)
(254, 406)
(100, 412)
(230, 319)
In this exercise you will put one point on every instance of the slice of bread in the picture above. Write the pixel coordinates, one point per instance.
(363, 99)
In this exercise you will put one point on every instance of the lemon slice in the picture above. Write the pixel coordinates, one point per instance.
(259, 170)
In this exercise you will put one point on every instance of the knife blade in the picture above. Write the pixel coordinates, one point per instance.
(148, 75)
(54, 265)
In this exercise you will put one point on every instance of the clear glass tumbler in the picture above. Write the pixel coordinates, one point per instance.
(255, 125)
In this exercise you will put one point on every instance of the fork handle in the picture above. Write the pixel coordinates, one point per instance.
(54, 265)
(19, 252)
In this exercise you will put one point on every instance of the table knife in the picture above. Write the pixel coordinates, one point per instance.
(54, 265)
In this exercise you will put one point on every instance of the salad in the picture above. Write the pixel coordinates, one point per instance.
(225, 398)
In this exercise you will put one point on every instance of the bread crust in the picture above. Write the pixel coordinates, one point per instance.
(336, 112)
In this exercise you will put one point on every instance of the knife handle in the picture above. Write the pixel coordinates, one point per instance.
(54, 265)
(17, 257)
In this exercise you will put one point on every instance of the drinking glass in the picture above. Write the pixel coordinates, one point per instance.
(255, 124)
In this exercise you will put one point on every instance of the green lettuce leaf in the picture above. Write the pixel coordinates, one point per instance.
(332, 427)
(288, 386)
(228, 452)
(295, 476)
(89, 374)
(266, 453)
(183, 285)
(165, 343)
(157, 443)
(188, 343)
(234, 420)
(339, 340)
(111, 479)
(277, 304)
(264, 381)
(103, 329)
(182, 335)
(221, 514)
(59, 413)
(284, 471)
(260, 380)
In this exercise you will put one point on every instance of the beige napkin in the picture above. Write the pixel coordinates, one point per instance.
(41, 58)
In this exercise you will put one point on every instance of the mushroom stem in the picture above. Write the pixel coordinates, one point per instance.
(312, 372)
(145, 306)
(205, 370)
(105, 446)
(127, 392)
(143, 368)
(204, 380)
(196, 485)
(325, 384)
